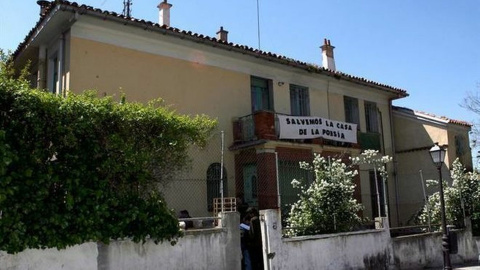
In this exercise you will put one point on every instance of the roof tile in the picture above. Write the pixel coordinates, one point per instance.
(268, 55)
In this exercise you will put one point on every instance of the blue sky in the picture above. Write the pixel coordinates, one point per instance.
(431, 48)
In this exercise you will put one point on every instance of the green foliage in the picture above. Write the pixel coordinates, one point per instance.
(8, 78)
(462, 196)
(327, 205)
(84, 168)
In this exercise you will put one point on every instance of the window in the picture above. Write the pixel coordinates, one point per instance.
(262, 96)
(287, 171)
(351, 111)
(373, 192)
(213, 184)
(371, 116)
(299, 100)
(460, 145)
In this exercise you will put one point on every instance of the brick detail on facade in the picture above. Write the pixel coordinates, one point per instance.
(265, 125)
(267, 181)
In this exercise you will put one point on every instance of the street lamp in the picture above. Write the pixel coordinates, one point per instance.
(438, 155)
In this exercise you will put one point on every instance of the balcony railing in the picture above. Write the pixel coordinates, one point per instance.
(263, 125)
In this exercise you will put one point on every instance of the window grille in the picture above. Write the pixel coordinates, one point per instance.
(299, 100)
(371, 116)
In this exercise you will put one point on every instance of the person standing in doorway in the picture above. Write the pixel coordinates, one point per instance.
(255, 239)
(245, 243)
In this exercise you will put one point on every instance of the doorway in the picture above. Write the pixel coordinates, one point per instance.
(250, 185)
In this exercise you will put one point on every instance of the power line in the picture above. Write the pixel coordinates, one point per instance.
(258, 23)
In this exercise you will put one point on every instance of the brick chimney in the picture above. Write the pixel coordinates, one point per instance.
(164, 15)
(328, 61)
(222, 34)
(44, 5)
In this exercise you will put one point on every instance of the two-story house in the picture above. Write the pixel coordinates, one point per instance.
(274, 111)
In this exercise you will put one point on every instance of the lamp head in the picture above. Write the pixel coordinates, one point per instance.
(438, 154)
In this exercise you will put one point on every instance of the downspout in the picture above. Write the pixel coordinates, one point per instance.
(385, 184)
(328, 99)
(221, 170)
(42, 67)
(394, 157)
(61, 65)
(279, 195)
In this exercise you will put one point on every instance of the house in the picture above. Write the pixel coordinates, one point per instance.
(274, 111)
(413, 163)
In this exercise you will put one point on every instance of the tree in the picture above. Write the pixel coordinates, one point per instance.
(84, 168)
(472, 103)
(462, 198)
(327, 205)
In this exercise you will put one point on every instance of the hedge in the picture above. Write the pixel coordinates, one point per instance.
(84, 168)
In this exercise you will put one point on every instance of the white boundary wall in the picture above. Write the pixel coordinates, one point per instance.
(371, 249)
(217, 248)
(354, 250)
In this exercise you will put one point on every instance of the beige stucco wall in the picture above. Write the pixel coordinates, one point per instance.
(415, 135)
(187, 87)
(415, 164)
(465, 153)
(199, 79)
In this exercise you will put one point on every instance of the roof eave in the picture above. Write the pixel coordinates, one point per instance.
(146, 25)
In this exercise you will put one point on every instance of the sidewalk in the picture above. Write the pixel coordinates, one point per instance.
(470, 266)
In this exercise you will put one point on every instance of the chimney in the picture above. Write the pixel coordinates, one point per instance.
(44, 5)
(328, 61)
(222, 34)
(164, 16)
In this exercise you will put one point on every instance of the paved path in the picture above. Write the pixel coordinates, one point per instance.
(473, 266)
(469, 266)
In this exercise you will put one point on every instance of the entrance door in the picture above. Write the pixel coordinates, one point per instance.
(250, 184)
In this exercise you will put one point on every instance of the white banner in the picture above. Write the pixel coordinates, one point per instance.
(307, 127)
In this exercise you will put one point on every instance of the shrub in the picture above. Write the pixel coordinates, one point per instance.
(463, 196)
(83, 168)
(327, 205)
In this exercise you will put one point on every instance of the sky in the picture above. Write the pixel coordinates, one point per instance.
(430, 48)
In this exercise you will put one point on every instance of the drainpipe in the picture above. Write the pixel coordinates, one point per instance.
(42, 65)
(385, 184)
(394, 157)
(60, 64)
(279, 203)
(328, 99)
(221, 170)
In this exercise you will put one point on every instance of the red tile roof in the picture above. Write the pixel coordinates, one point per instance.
(444, 118)
(82, 9)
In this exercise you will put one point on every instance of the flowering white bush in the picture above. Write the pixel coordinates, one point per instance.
(327, 205)
(465, 186)
(373, 158)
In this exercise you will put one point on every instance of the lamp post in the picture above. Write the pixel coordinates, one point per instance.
(438, 155)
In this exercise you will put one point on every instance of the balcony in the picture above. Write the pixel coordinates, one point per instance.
(263, 125)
